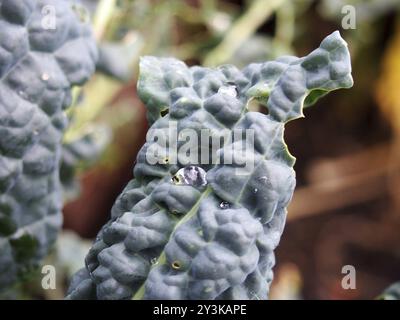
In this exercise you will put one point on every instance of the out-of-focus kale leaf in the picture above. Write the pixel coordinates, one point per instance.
(46, 47)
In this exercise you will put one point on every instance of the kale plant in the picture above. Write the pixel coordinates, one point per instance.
(190, 228)
(46, 47)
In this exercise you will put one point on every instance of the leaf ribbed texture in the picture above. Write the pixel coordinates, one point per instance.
(213, 240)
(38, 67)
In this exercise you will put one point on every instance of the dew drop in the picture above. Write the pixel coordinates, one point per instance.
(255, 190)
(45, 77)
(230, 90)
(190, 175)
(224, 205)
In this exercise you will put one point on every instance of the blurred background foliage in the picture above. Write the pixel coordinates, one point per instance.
(346, 209)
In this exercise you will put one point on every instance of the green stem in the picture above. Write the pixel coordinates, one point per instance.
(285, 26)
(243, 28)
(104, 12)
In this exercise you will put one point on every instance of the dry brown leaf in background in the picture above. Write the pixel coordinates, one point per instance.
(388, 85)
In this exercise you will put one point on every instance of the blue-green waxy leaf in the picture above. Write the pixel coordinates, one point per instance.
(287, 85)
(208, 229)
(39, 63)
(157, 79)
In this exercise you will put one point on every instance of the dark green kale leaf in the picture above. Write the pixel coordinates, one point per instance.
(45, 49)
(207, 230)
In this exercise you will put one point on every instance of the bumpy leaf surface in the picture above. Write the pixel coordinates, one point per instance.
(208, 231)
(45, 49)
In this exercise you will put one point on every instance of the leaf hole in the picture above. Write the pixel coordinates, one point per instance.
(255, 106)
(175, 212)
(176, 265)
(175, 179)
(164, 112)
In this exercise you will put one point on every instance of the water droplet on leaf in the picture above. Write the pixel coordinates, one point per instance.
(190, 175)
(45, 77)
(230, 90)
(224, 205)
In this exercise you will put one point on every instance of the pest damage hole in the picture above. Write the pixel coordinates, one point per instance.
(164, 112)
(176, 265)
(175, 212)
(175, 179)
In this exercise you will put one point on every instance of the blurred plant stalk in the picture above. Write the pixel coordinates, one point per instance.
(83, 115)
(245, 26)
(104, 13)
